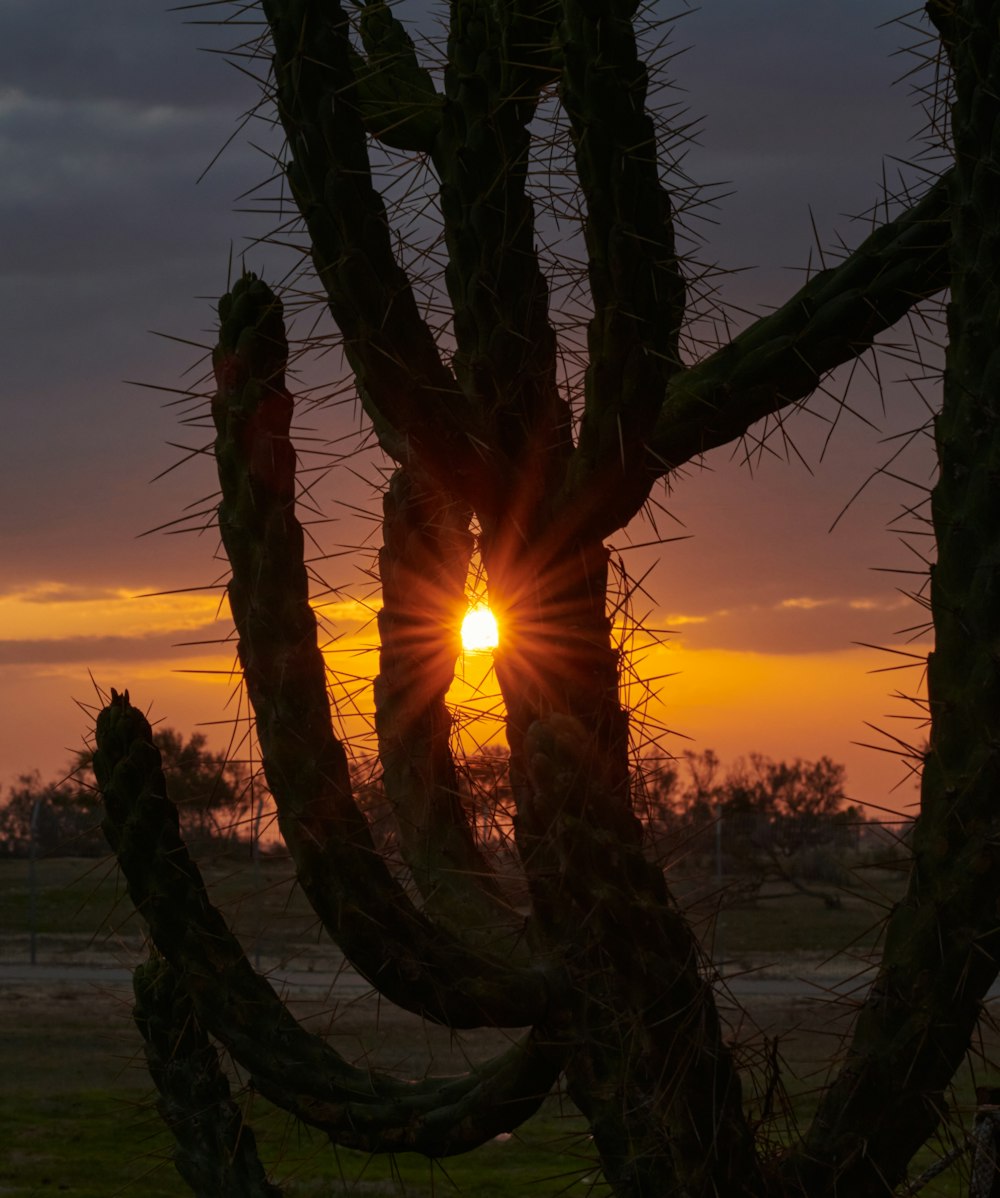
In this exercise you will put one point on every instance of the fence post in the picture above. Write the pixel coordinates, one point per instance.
(985, 1179)
(36, 808)
(257, 811)
(717, 938)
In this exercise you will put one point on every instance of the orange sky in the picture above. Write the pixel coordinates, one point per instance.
(764, 612)
(802, 125)
(766, 604)
(734, 701)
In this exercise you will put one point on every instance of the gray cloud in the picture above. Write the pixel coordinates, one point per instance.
(99, 649)
(831, 626)
(799, 111)
(112, 49)
(109, 116)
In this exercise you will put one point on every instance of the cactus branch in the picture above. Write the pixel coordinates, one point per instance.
(295, 1069)
(216, 1151)
(412, 398)
(505, 358)
(416, 963)
(942, 949)
(780, 358)
(441, 1116)
(423, 565)
(650, 1069)
(636, 285)
(778, 361)
(617, 998)
(397, 100)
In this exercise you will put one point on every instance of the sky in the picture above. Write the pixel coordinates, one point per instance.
(119, 243)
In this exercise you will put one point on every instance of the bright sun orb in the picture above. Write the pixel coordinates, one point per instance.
(479, 630)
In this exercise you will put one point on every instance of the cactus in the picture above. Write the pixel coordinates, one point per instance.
(605, 972)
(216, 1153)
(942, 942)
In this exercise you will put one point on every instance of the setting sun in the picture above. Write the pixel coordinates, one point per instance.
(479, 630)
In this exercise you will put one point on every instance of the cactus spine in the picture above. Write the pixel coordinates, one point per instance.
(606, 975)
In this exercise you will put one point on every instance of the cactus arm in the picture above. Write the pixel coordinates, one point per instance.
(423, 565)
(837, 315)
(216, 1151)
(779, 360)
(636, 285)
(443, 1116)
(397, 99)
(942, 948)
(649, 1069)
(412, 398)
(232, 1002)
(289, 1065)
(505, 359)
(413, 962)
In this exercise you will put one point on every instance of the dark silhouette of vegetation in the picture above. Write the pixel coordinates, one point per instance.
(212, 794)
(66, 817)
(460, 379)
(756, 820)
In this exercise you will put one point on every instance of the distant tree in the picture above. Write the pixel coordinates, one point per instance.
(366, 779)
(212, 793)
(657, 784)
(790, 819)
(697, 802)
(482, 786)
(796, 790)
(66, 817)
(798, 802)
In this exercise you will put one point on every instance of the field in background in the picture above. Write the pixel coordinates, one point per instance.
(82, 910)
(77, 1110)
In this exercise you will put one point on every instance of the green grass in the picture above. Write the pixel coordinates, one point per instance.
(86, 898)
(74, 1103)
(73, 896)
(800, 925)
(77, 1109)
(77, 1113)
(94, 1144)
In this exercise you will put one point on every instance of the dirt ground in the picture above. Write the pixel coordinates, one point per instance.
(65, 1037)
(74, 1085)
(69, 1017)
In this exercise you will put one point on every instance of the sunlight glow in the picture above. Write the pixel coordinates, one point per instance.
(479, 630)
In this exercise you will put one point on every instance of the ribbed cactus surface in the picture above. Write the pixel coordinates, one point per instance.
(603, 971)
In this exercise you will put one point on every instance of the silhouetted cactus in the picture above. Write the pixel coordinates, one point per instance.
(216, 1152)
(605, 971)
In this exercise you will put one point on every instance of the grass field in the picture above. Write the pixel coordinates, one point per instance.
(77, 1112)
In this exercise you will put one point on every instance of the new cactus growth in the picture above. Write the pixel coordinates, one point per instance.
(605, 972)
